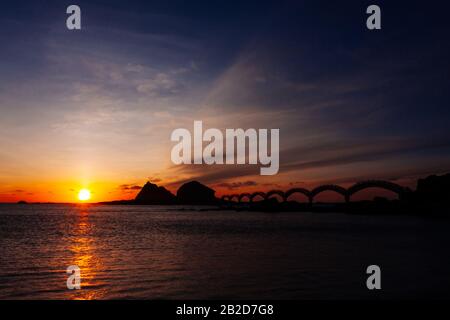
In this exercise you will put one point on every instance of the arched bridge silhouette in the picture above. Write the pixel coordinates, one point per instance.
(346, 193)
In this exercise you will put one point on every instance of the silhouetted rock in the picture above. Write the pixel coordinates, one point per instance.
(195, 193)
(22, 202)
(152, 194)
(434, 189)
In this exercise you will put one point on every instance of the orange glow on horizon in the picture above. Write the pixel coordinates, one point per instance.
(66, 191)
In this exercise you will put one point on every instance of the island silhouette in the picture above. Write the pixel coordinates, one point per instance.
(430, 197)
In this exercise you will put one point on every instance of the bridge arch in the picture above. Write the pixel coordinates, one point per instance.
(255, 194)
(243, 195)
(234, 196)
(386, 185)
(329, 187)
(292, 191)
(275, 192)
(225, 198)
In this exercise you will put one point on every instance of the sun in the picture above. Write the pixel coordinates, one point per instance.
(84, 195)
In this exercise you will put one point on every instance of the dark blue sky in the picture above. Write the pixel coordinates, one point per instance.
(350, 103)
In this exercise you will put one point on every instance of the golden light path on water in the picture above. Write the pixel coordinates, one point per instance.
(83, 248)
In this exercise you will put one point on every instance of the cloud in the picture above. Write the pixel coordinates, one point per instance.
(161, 84)
(129, 187)
(236, 185)
(301, 160)
(327, 155)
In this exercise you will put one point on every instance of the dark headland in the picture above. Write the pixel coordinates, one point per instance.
(431, 197)
(192, 193)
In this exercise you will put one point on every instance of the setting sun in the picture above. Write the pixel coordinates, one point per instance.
(84, 195)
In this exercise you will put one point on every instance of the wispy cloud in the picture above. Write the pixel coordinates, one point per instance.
(298, 162)
(237, 185)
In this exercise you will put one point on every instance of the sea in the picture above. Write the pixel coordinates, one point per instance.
(179, 252)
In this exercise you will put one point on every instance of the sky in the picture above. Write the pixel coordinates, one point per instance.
(94, 108)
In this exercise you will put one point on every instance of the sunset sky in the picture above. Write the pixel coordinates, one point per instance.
(95, 108)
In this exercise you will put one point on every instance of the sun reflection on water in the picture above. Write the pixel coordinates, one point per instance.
(83, 248)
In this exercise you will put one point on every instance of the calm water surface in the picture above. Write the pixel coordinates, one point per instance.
(148, 252)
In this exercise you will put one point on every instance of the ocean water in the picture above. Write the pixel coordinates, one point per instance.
(151, 252)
